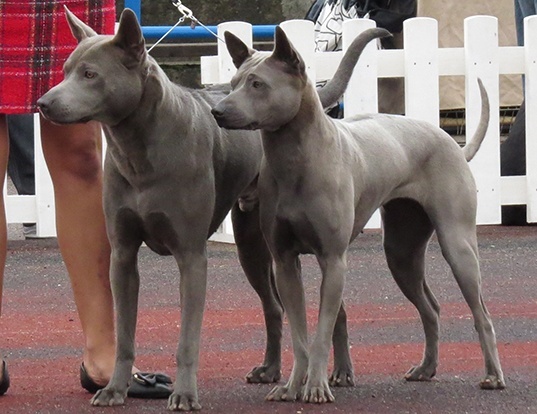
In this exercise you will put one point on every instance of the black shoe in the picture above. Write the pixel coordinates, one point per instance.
(143, 384)
(87, 382)
(4, 384)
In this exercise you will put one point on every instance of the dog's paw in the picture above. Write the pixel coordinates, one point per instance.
(183, 402)
(282, 393)
(318, 395)
(342, 378)
(264, 375)
(492, 382)
(108, 397)
(420, 373)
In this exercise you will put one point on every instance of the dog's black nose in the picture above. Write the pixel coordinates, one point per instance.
(217, 112)
(43, 106)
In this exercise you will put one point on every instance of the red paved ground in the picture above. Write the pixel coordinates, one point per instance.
(40, 333)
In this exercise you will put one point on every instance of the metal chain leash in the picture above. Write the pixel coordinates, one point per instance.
(186, 14)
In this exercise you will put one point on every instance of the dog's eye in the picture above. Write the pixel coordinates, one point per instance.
(89, 74)
(257, 84)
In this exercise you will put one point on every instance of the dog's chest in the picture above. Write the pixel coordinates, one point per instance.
(295, 234)
(131, 163)
(305, 218)
(293, 229)
(159, 233)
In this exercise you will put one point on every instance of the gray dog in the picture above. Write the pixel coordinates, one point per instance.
(320, 182)
(171, 176)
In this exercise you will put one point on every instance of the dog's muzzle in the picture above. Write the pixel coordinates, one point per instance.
(218, 114)
(228, 121)
(44, 107)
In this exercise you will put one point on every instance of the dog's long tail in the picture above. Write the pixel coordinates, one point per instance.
(473, 146)
(335, 87)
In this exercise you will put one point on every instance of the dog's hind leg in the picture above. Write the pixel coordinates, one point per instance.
(458, 242)
(407, 230)
(343, 373)
(256, 262)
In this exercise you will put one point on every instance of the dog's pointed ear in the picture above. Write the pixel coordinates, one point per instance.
(79, 29)
(238, 50)
(285, 52)
(129, 37)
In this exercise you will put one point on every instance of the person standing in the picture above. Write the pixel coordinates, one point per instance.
(35, 41)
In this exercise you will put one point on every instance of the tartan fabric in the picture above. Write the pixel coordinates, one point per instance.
(35, 41)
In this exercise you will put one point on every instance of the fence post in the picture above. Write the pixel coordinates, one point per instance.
(362, 96)
(44, 190)
(530, 46)
(422, 100)
(226, 70)
(243, 31)
(362, 92)
(300, 33)
(481, 60)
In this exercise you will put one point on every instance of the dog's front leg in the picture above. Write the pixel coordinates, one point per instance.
(289, 284)
(193, 268)
(125, 282)
(333, 268)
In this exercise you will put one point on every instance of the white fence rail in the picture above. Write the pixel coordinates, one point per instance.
(421, 63)
(38, 208)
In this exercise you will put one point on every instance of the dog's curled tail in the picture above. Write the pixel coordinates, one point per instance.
(335, 87)
(473, 146)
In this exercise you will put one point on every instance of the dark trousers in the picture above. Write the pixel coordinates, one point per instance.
(21, 153)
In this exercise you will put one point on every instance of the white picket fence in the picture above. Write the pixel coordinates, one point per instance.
(421, 63)
(38, 208)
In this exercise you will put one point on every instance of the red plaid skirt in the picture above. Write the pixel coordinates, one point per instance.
(35, 41)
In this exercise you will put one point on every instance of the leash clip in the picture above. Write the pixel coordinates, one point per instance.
(185, 11)
(186, 14)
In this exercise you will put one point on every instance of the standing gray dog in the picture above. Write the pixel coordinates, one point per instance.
(171, 176)
(320, 182)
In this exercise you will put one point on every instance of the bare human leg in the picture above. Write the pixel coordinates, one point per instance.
(4, 152)
(74, 158)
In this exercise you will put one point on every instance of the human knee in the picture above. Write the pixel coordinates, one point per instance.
(83, 164)
(74, 151)
(86, 164)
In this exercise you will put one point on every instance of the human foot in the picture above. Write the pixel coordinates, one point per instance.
(143, 384)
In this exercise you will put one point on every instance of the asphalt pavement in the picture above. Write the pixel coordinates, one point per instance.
(40, 336)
